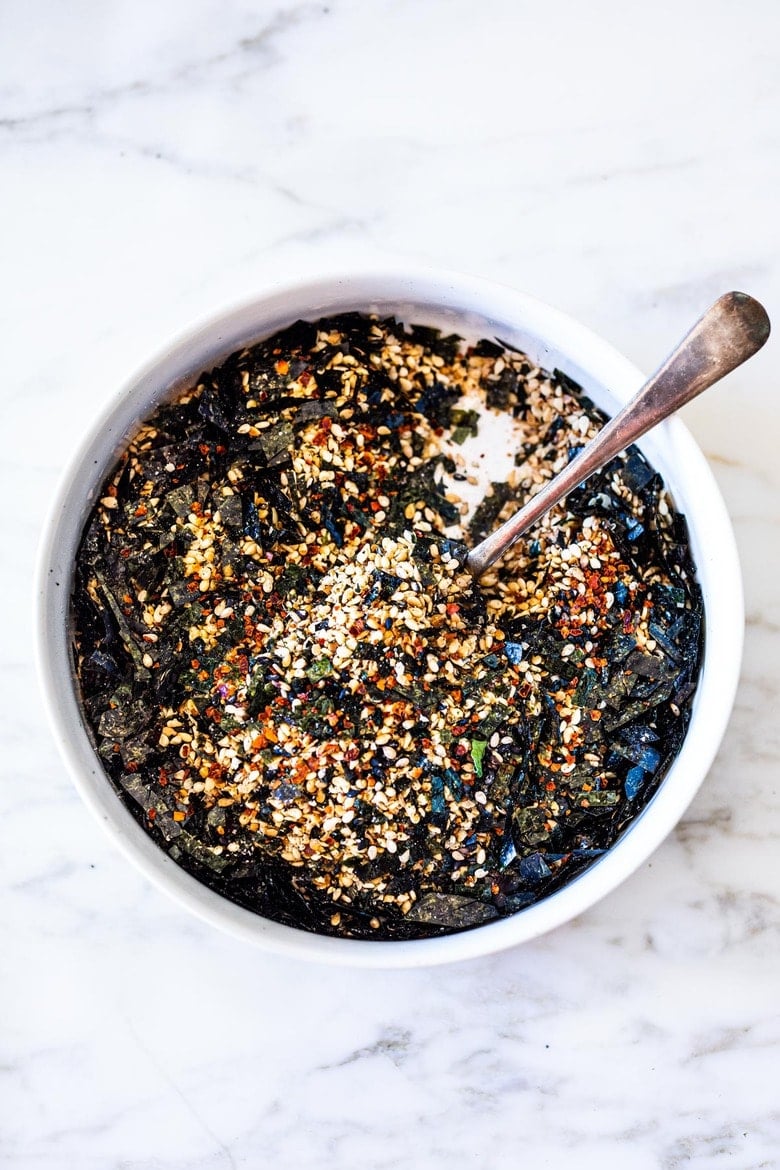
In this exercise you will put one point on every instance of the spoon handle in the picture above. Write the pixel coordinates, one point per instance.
(730, 332)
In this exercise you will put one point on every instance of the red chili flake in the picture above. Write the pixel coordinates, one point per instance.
(151, 813)
(132, 766)
(305, 377)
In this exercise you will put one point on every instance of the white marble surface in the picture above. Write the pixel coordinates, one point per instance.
(157, 160)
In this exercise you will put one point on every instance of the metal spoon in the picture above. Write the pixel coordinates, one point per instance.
(730, 332)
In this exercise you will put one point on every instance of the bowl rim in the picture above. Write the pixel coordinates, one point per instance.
(691, 481)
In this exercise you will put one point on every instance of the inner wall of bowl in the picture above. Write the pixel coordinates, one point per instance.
(472, 310)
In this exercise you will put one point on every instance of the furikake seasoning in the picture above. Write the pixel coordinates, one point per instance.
(298, 690)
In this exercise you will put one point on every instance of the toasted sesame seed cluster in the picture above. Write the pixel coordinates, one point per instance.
(297, 687)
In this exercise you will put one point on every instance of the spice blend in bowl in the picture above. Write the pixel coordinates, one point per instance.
(296, 687)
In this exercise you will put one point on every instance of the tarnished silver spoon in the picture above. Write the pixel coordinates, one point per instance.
(730, 332)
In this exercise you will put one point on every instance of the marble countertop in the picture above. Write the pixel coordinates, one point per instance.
(157, 161)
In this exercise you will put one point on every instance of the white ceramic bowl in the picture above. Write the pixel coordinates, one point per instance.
(475, 308)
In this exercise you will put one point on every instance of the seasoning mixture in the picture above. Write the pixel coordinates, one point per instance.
(298, 689)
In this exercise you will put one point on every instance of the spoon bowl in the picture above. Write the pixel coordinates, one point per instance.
(729, 333)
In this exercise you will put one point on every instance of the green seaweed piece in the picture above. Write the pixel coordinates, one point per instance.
(321, 668)
(277, 440)
(465, 424)
(451, 910)
(484, 519)
(478, 754)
